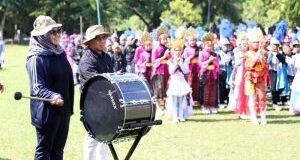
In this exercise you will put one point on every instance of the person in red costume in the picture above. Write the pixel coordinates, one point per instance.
(255, 77)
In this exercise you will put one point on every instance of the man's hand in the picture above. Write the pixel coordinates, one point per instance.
(57, 101)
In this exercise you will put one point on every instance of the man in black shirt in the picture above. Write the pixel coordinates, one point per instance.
(94, 61)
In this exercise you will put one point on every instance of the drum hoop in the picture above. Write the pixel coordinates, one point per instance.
(109, 77)
(82, 98)
(84, 88)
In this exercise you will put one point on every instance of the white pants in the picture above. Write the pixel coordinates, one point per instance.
(94, 150)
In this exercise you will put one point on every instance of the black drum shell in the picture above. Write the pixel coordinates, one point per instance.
(104, 113)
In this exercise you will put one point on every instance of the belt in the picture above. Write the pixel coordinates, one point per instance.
(194, 60)
(148, 64)
(210, 67)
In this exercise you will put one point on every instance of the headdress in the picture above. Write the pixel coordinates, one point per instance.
(191, 32)
(177, 43)
(146, 37)
(280, 30)
(209, 36)
(161, 30)
(255, 35)
(225, 29)
(179, 34)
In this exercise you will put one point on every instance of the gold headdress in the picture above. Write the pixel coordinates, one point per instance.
(209, 36)
(255, 35)
(179, 34)
(161, 30)
(146, 37)
(177, 43)
(191, 32)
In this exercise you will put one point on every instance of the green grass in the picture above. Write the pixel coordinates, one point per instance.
(208, 137)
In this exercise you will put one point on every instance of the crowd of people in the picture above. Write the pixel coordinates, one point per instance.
(189, 67)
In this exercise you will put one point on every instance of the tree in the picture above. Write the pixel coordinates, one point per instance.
(182, 11)
(292, 12)
(269, 12)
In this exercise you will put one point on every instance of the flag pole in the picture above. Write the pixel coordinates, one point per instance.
(98, 12)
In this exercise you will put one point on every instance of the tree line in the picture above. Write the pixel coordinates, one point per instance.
(144, 14)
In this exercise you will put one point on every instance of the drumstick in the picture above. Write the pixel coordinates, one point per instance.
(18, 96)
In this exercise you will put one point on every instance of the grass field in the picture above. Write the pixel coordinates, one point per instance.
(208, 137)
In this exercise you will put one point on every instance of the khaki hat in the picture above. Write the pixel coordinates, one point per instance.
(94, 31)
(43, 24)
(274, 41)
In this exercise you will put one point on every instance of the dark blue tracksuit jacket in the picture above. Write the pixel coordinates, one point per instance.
(49, 75)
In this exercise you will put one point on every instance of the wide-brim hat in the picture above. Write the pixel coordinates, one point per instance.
(274, 41)
(43, 24)
(94, 31)
(295, 42)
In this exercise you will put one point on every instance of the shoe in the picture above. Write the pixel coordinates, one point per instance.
(242, 116)
(205, 111)
(214, 111)
(196, 103)
(222, 106)
(181, 120)
(291, 112)
(263, 122)
(276, 107)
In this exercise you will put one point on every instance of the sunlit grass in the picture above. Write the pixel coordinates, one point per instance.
(213, 137)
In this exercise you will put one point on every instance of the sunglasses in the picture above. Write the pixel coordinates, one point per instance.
(57, 31)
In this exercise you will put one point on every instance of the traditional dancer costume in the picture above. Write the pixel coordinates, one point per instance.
(208, 75)
(255, 77)
(295, 87)
(178, 87)
(160, 68)
(237, 99)
(192, 52)
(143, 63)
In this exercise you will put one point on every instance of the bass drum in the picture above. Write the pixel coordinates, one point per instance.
(114, 106)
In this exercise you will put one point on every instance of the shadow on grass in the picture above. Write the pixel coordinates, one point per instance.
(211, 120)
(219, 112)
(4, 158)
(272, 116)
(284, 121)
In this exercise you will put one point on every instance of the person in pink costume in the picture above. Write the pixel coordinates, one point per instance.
(192, 52)
(208, 75)
(143, 62)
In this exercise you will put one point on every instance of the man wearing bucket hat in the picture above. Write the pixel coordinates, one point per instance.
(225, 56)
(94, 61)
(50, 77)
